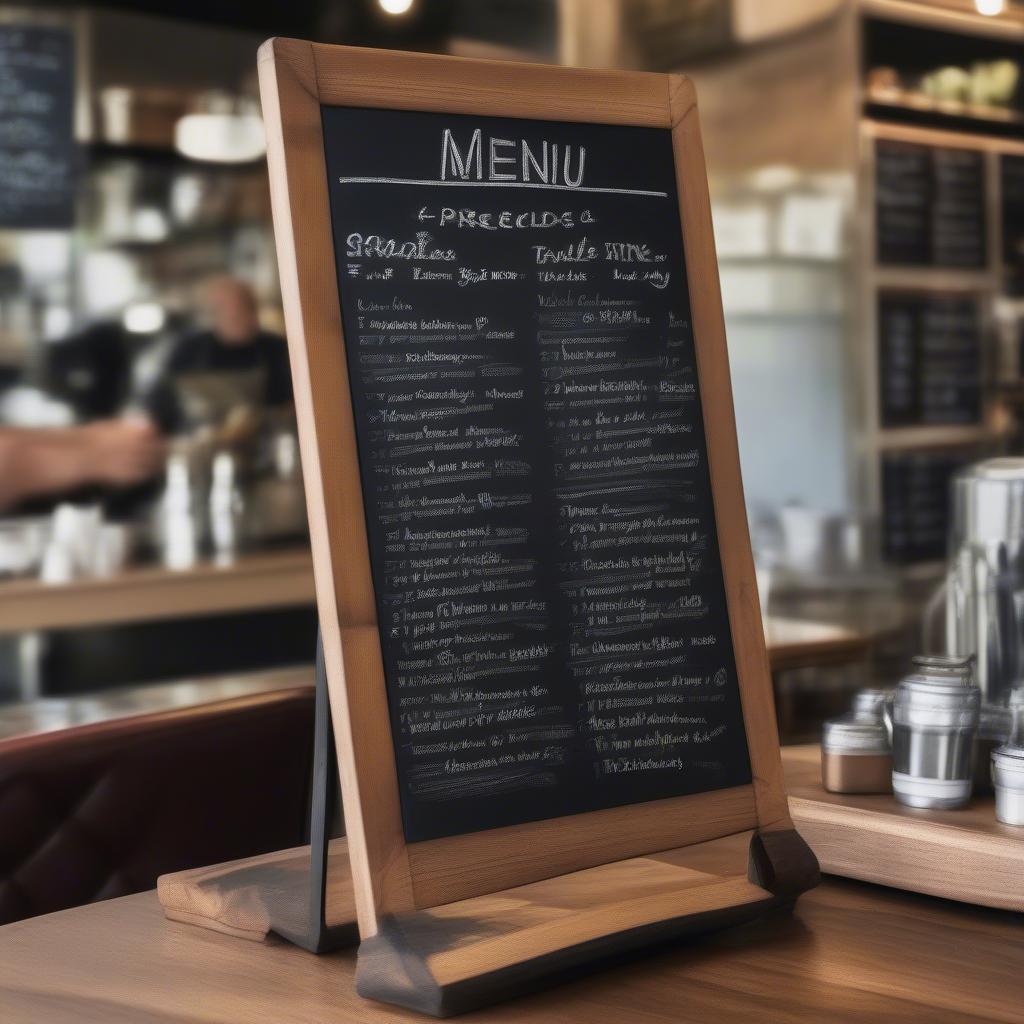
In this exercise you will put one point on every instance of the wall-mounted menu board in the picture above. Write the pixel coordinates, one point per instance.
(929, 359)
(1011, 176)
(538, 503)
(915, 502)
(929, 205)
(36, 142)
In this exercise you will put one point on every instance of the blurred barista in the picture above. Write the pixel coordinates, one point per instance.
(231, 365)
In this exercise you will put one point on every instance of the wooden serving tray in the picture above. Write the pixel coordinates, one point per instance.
(961, 855)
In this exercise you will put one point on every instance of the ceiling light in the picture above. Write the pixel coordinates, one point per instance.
(395, 6)
(990, 7)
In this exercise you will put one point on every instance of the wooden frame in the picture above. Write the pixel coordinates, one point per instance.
(394, 880)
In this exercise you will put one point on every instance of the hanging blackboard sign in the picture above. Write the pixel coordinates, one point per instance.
(1011, 182)
(930, 205)
(930, 361)
(36, 139)
(534, 577)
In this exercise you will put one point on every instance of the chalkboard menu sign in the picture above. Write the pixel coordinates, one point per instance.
(915, 503)
(36, 142)
(541, 634)
(538, 503)
(930, 205)
(929, 359)
(1011, 174)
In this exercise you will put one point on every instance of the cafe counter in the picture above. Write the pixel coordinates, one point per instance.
(850, 952)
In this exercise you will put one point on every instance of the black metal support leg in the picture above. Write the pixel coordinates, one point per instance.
(323, 937)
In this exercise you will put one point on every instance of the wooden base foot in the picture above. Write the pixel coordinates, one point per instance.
(253, 897)
(469, 954)
(463, 955)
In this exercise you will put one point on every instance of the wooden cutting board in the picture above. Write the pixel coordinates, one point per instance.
(962, 855)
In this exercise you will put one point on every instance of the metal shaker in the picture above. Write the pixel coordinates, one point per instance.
(872, 701)
(985, 578)
(855, 756)
(934, 722)
(227, 509)
(1008, 767)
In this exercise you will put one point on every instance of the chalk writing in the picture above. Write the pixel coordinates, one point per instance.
(535, 477)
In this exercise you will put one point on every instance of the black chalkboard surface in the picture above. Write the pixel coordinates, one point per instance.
(929, 358)
(538, 503)
(1011, 180)
(36, 141)
(930, 205)
(915, 502)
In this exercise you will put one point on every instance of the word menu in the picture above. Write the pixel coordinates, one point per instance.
(535, 476)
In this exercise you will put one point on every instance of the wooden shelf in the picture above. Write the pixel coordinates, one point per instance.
(933, 279)
(937, 436)
(964, 855)
(958, 16)
(279, 579)
(939, 137)
(915, 104)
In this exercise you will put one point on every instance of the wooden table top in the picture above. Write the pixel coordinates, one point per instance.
(799, 643)
(49, 714)
(849, 953)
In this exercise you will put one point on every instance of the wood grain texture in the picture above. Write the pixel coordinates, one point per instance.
(462, 866)
(962, 855)
(849, 954)
(400, 80)
(345, 599)
(253, 897)
(475, 952)
(390, 877)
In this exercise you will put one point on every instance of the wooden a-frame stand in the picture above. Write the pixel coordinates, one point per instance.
(305, 896)
(452, 923)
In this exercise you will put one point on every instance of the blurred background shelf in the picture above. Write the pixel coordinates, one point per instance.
(273, 579)
(937, 279)
(950, 116)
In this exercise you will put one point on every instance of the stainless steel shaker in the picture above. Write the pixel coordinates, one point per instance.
(871, 701)
(934, 722)
(227, 508)
(1008, 767)
(985, 578)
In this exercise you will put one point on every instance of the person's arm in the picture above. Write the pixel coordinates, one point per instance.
(112, 452)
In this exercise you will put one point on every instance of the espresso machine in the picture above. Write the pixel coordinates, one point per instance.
(985, 578)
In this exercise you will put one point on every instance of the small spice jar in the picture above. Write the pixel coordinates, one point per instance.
(855, 755)
(1008, 778)
(934, 722)
(1008, 766)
